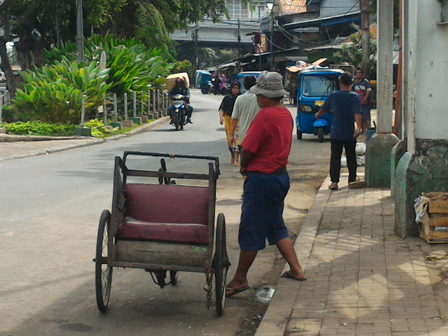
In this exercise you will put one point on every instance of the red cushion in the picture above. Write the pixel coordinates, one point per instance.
(167, 203)
(180, 233)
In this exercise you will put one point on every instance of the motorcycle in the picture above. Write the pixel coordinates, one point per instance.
(178, 111)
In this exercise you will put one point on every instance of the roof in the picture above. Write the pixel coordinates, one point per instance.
(349, 17)
(227, 65)
(321, 70)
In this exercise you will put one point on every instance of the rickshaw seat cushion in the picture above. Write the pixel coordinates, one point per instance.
(133, 229)
(158, 203)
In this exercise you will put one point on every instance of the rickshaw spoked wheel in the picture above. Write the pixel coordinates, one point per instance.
(220, 264)
(103, 272)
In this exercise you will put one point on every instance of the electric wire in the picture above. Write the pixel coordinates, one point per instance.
(284, 31)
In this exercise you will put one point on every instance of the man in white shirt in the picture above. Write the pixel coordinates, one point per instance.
(244, 111)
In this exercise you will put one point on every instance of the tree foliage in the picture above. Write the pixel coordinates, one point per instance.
(352, 54)
(132, 66)
(54, 93)
(39, 25)
(373, 10)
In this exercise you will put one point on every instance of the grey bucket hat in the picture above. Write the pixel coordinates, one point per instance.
(270, 85)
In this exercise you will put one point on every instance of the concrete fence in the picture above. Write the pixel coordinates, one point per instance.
(129, 109)
(5, 100)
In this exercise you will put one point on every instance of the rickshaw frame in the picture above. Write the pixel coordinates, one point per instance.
(170, 256)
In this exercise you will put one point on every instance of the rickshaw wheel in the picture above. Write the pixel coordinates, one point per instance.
(299, 135)
(173, 277)
(320, 134)
(103, 272)
(220, 264)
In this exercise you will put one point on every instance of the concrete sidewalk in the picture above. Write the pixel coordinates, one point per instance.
(362, 279)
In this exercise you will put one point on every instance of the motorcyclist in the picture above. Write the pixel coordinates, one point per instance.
(180, 88)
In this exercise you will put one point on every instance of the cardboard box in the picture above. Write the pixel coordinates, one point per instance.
(171, 79)
(434, 222)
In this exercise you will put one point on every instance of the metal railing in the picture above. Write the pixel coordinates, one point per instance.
(151, 104)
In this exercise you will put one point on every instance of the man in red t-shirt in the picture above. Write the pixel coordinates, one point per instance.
(264, 156)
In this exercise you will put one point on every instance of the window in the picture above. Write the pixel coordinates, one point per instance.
(319, 86)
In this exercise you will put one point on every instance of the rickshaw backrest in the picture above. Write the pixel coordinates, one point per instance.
(160, 203)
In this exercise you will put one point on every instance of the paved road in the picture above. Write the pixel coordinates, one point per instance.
(49, 208)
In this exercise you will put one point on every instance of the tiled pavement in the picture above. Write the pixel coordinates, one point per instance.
(362, 279)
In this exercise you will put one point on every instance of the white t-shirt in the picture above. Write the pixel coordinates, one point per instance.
(245, 110)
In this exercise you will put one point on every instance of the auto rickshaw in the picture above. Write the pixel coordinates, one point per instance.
(313, 88)
(204, 81)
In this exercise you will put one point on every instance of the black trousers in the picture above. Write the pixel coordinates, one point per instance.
(335, 161)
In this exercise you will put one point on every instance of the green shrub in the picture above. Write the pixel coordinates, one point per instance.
(54, 93)
(99, 130)
(132, 66)
(39, 128)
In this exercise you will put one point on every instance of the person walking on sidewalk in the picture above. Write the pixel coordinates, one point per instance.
(245, 109)
(264, 156)
(225, 113)
(346, 108)
(362, 87)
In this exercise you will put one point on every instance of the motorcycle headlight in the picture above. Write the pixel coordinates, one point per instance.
(306, 108)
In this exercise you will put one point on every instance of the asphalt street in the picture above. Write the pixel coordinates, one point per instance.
(49, 211)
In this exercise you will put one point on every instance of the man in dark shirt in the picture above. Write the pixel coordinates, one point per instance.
(362, 87)
(346, 107)
(264, 156)
(180, 88)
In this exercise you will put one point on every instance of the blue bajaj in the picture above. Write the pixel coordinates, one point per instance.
(204, 80)
(313, 88)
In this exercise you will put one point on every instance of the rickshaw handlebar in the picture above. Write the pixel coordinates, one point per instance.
(172, 156)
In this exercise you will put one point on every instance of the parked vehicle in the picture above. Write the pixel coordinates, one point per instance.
(313, 88)
(203, 81)
(163, 228)
(240, 78)
(178, 112)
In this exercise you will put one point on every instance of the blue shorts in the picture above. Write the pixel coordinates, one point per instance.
(262, 211)
(365, 113)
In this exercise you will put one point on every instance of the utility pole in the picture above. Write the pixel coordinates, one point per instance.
(365, 42)
(80, 31)
(196, 58)
(385, 66)
(239, 45)
(259, 19)
(271, 19)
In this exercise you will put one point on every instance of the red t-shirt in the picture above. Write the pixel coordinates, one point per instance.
(269, 137)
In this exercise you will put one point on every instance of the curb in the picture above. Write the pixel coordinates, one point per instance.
(280, 308)
(92, 141)
(18, 138)
(139, 130)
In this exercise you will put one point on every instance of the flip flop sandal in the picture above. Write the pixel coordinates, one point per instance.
(356, 184)
(290, 276)
(234, 291)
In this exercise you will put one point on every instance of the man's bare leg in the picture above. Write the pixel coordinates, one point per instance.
(245, 262)
(287, 250)
(364, 127)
